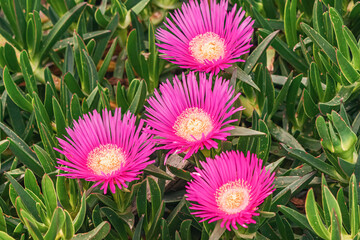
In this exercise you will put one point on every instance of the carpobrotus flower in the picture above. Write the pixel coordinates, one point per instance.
(189, 116)
(205, 37)
(229, 188)
(107, 149)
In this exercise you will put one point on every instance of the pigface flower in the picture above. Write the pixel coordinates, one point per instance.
(229, 189)
(107, 149)
(205, 37)
(190, 115)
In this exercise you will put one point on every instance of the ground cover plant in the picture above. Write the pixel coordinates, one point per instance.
(169, 119)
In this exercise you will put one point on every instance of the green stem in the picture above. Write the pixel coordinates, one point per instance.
(118, 198)
(197, 161)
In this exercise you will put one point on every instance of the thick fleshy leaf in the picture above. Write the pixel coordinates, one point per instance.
(295, 217)
(180, 173)
(284, 195)
(27, 200)
(157, 172)
(285, 52)
(104, 66)
(335, 226)
(218, 231)
(314, 162)
(28, 73)
(282, 94)
(311, 109)
(332, 205)
(59, 28)
(68, 227)
(346, 68)
(141, 201)
(155, 224)
(49, 196)
(80, 217)
(290, 22)
(15, 93)
(283, 136)
(353, 206)
(313, 216)
(255, 55)
(101, 231)
(117, 223)
(337, 24)
(284, 228)
(344, 209)
(139, 98)
(57, 223)
(47, 162)
(137, 233)
(185, 230)
(320, 41)
(5, 236)
(334, 104)
(155, 196)
(243, 76)
(164, 230)
(241, 132)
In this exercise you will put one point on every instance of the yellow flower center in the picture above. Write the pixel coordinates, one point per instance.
(208, 46)
(233, 197)
(192, 123)
(106, 159)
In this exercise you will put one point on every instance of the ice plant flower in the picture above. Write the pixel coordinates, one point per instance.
(191, 115)
(205, 37)
(108, 149)
(229, 189)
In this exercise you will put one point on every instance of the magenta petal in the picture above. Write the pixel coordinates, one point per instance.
(94, 130)
(227, 168)
(175, 99)
(194, 19)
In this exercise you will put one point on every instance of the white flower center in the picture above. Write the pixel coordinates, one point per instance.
(208, 46)
(233, 197)
(192, 123)
(106, 159)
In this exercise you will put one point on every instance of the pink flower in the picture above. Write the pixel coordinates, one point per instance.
(229, 189)
(189, 116)
(205, 37)
(107, 149)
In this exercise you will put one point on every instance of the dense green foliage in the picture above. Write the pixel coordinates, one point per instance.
(300, 85)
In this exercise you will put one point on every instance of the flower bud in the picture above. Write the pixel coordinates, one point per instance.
(124, 15)
(337, 137)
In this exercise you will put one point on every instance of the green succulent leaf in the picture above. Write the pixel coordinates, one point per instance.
(346, 68)
(60, 27)
(295, 217)
(80, 217)
(314, 162)
(335, 226)
(157, 172)
(57, 222)
(218, 231)
(50, 196)
(5, 236)
(116, 222)
(15, 93)
(98, 233)
(290, 22)
(320, 41)
(137, 233)
(254, 57)
(313, 216)
(353, 206)
(68, 227)
(27, 200)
